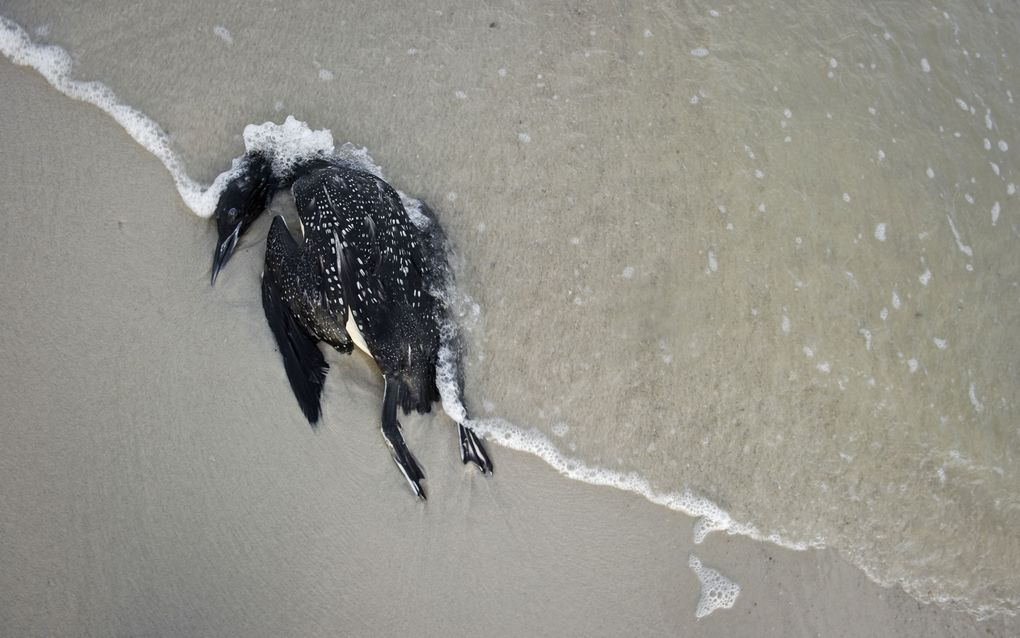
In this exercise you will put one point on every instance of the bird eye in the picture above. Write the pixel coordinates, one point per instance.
(232, 213)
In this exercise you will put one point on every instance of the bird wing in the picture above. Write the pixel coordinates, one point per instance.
(306, 367)
(300, 314)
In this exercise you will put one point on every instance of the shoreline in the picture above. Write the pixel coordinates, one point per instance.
(183, 494)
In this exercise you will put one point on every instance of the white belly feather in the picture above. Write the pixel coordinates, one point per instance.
(355, 334)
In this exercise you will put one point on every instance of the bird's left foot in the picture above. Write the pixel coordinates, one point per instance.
(472, 450)
(405, 460)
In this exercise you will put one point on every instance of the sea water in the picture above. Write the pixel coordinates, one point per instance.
(756, 262)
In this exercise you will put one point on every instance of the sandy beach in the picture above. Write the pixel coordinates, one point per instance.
(158, 479)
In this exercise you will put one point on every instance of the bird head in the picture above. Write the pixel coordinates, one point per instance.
(242, 201)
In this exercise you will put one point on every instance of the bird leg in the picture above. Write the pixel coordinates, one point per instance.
(395, 440)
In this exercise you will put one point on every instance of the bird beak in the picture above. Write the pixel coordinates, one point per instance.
(223, 253)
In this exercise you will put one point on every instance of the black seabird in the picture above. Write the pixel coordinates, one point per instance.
(365, 275)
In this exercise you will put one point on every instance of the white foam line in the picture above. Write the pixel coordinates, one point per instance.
(54, 64)
(533, 441)
(712, 517)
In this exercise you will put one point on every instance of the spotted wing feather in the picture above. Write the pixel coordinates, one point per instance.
(306, 367)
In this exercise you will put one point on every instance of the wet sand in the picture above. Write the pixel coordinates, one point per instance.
(158, 478)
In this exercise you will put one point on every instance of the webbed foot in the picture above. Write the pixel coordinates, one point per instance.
(472, 450)
(405, 461)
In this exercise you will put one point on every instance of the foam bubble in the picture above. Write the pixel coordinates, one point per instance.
(880, 232)
(223, 34)
(717, 591)
(700, 52)
(925, 66)
(996, 209)
(925, 277)
(1003, 146)
(930, 173)
(287, 143)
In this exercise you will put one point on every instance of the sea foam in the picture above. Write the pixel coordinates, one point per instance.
(287, 142)
(717, 591)
(54, 64)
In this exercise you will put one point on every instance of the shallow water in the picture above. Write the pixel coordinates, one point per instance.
(764, 253)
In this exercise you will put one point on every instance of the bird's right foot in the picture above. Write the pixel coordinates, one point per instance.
(472, 450)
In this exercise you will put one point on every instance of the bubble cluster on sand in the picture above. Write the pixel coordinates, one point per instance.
(717, 591)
